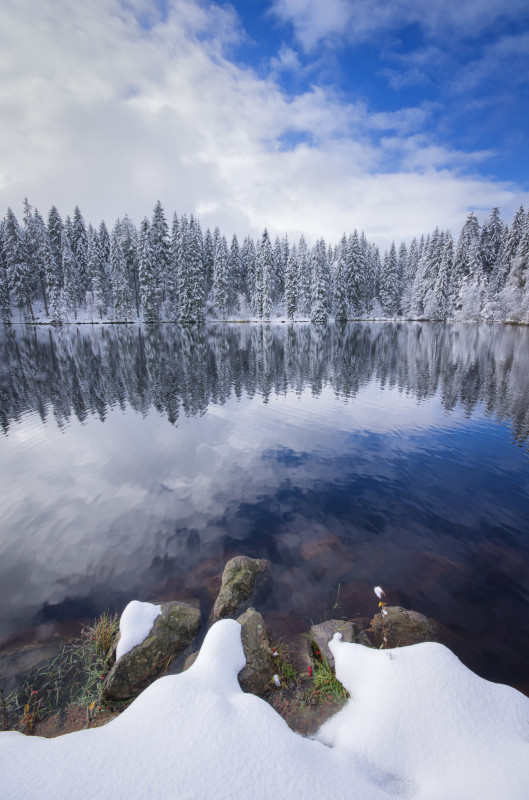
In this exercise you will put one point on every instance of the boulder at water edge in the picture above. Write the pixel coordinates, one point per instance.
(173, 630)
(322, 634)
(243, 579)
(257, 676)
(403, 627)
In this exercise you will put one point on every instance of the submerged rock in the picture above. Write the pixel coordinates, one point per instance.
(257, 676)
(403, 627)
(244, 578)
(173, 630)
(322, 634)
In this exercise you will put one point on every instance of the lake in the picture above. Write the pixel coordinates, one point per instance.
(135, 461)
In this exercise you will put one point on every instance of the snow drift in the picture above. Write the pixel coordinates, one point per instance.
(419, 725)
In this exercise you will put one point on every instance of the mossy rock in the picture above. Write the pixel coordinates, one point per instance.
(322, 634)
(244, 579)
(172, 632)
(403, 627)
(257, 676)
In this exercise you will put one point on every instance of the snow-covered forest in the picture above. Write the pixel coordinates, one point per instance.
(63, 271)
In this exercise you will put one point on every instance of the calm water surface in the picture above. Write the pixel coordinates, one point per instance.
(136, 461)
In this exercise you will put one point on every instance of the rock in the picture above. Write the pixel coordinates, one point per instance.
(243, 578)
(257, 675)
(190, 660)
(323, 633)
(173, 630)
(403, 627)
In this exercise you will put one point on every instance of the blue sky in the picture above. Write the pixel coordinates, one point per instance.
(301, 115)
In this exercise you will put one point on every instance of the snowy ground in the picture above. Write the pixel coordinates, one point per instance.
(419, 725)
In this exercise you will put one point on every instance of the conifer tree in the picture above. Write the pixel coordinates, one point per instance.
(55, 231)
(70, 289)
(208, 257)
(18, 271)
(340, 289)
(104, 250)
(173, 278)
(161, 248)
(355, 266)
(491, 241)
(5, 301)
(129, 246)
(192, 284)
(264, 277)
(79, 243)
(305, 279)
(237, 275)
(388, 283)
(118, 275)
(96, 271)
(319, 311)
(249, 268)
(147, 275)
(467, 266)
(439, 302)
(221, 288)
(291, 284)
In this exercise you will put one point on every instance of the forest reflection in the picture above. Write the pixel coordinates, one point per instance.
(179, 370)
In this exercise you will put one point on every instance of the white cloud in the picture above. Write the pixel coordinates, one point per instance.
(361, 20)
(101, 111)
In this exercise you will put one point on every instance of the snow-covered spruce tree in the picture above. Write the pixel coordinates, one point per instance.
(355, 275)
(35, 235)
(208, 260)
(373, 267)
(5, 302)
(43, 258)
(161, 249)
(192, 283)
(55, 231)
(96, 272)
(426, 275)
(70, 288)
(129, 247)
(491, 241)
(173, 279)
(467, 263)
(119, 278)
(438, 302)
(291, 284)
(236, 272)
(79, 243)
(249, 267)
(402, 260)
(339, 289)
(264, 277)
(513, 300)
(410, 271)
(278, 277)
(147, 275)
(221, 279)
(388, 283)
(305, 279)
(104, 249)
(18, 270)
(319, 312)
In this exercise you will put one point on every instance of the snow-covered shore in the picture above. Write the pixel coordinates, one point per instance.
(419, 725)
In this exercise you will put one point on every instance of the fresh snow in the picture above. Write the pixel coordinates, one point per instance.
(419, 725)
(135, 625)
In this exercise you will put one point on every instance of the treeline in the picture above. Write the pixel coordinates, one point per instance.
(62, 271)
(181, 370)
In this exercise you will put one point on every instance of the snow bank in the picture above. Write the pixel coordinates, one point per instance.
(135, 625)
(419, 725)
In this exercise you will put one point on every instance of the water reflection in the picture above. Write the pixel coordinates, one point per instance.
(355, 456)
